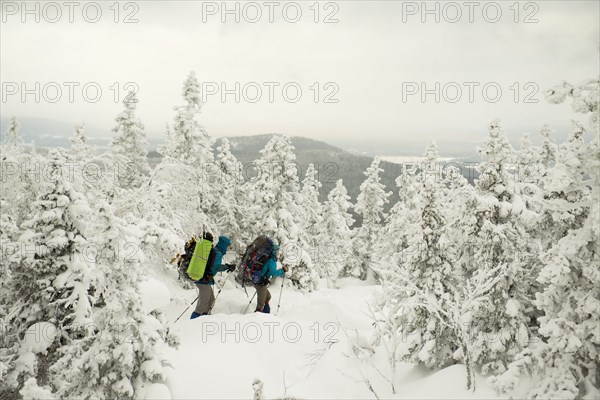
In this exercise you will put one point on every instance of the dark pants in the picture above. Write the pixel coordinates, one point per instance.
(262, 296)
(205, 299)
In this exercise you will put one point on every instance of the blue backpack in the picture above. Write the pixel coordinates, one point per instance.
(257, 254)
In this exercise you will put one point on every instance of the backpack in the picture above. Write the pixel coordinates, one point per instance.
(257, 254)
(197, 259)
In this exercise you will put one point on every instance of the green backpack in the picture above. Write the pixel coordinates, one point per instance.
(196, 257)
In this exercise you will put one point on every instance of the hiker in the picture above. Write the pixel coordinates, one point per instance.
(269, 269)
(206, 296)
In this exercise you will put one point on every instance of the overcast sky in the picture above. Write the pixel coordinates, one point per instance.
(374, 51)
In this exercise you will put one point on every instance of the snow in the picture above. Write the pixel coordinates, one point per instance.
(155, 295)
(156, 391)
(304, 352)
(512, 307)
(40, 336)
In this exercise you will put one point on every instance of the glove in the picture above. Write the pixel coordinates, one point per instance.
(285, 268)
(230, 267)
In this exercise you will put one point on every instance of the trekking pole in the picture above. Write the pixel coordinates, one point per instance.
(181, 315)
(250, 302)
(280, 292)
(218, 293)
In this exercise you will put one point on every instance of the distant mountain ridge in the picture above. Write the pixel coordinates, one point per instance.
(331, 162)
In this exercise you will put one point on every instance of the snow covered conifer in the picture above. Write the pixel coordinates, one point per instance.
(229, 214)
(130, 143)
(188, 141)
(369, 205)
(397, 233)
(428, 264)
(565, 361)
(494, 240)
(13, 134)
(548, 149)
(528, 168)
(123, 351)
(188, 144)
(275, 195)
(311, 206)
(336, 244)
(564, 190)
(312, 214)
(55, 276)
(80, 150)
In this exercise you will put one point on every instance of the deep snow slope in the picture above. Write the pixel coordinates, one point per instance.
(304, 351)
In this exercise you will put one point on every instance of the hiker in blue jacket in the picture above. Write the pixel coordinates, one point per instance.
(206, 297)
(269, 269)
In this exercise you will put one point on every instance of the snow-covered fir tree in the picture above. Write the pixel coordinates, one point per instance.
(312, 212)
(369, 206)
(564, 190)
(189, 147)
(123, 351)
(187, 140)
(311, 206)
(336, 244)
(396, 234)
(278, 214)
(130, 142)
(51, 281)
(12, 136)
(548, 149)
(564, 360)
(80, 150)
(428, 265)
(527, 166)
(494, 240)
(229, 211)
(529, 170)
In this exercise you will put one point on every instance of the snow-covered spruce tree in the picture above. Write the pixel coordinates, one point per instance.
(8, 233)
(370, 202)
(428, 264)
(565, 360)
(336, 244)
(312, 215)
(172, 206)
(278, 214)
(564, 191)
(80, 150)
(528, 170)
(8, 249)
(186, 157)
(21, 181)
(417, 272)
(397, 233)
(123, 350)
(311, 207)
(50, 281)
(494, 239)
(548, 149)
(12, 136)
(188, 141)
(129, 142)
(228, 212)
